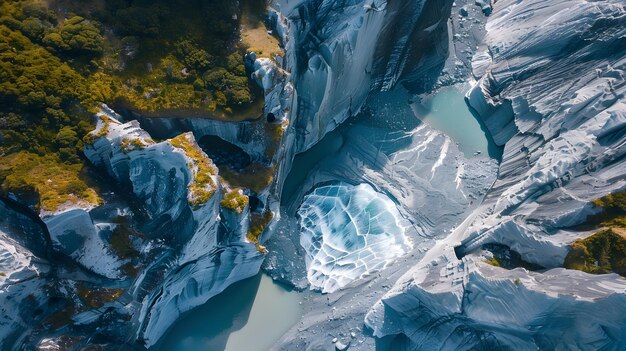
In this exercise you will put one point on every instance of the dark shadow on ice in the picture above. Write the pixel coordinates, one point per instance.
(494, 150)
(224, 153)
(305, 162)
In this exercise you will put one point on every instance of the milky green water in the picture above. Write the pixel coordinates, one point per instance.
(249, 315)
(447, 111)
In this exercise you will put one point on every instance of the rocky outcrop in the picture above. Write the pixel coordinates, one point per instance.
(74, 234)
(340, 51)
(468, 304)
(178, 187)
(551, 90)
(23, 275)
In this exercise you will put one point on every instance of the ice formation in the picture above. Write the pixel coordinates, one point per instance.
(551, 91)
(349, 231)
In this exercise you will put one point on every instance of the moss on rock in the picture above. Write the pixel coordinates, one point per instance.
(202, 186)
(235, 200)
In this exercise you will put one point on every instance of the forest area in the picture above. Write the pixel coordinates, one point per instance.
(61, 59)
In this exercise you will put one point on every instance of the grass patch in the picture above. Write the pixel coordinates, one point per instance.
(202, 187)
(254, 32)
(602, 252)
(258, 222)
(55, 182)
(97, 297)
(275, 132)
(494, 262)
(235, 200)
(256, 177)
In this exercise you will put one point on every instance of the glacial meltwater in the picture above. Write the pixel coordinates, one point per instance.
(447, 111)
(249, 315)
(254, 313)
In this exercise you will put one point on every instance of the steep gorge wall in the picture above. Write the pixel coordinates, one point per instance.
(340, 51)
(551, 90)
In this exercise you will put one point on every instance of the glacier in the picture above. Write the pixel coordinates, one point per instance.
(347, 232)
(548, 85)
(563, 147)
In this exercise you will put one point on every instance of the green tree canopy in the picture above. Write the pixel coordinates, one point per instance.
(78, 36)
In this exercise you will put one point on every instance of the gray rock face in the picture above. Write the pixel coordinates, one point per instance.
(74, 234)
(551, 90)
(341, 50)
(23, 275)
(431, 182)
(192, 262)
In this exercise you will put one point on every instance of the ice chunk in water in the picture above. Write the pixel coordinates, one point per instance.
(348, 232)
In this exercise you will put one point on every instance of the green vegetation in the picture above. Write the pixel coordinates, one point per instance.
(275, 132)
(258, 222)
(44, 112)
(97, 297)
(494, 262)
(603, 252)
(202, 187)
(162, 55)
(256, 176)
(60, 59)
(505, 257)
(121, 243)
(55, 182)
(235, 200)
(129, 145)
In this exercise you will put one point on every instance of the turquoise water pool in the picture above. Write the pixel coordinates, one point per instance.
(447, 111)
(249, 315)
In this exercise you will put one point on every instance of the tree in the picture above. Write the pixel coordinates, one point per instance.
(66, 137)
(76, 36)
(192, 56)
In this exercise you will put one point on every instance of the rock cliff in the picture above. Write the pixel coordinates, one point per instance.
(550, 90)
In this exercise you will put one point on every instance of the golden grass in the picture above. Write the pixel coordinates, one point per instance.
(259, 41)
(275, 132)
(129, 145)
(203, 172)
(97, 297)
(494, 262)
(254, 34)
(602, 252)
(258, 222)
(55, 182)
(235, 200)
(256, 177)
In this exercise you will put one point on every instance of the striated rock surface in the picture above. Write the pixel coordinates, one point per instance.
(192, 260)
(551, 91)
(339, 51)
(23, 275)
(74, 234)
(431, 183)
